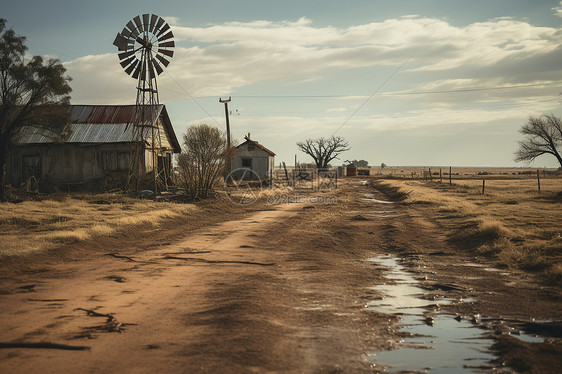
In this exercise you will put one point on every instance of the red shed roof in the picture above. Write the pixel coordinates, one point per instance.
(248, 140)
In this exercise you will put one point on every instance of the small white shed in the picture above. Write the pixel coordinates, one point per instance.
(255, 157)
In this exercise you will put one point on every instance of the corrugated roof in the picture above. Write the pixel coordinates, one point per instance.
(101, 124)
(103, 114)
(86, 133)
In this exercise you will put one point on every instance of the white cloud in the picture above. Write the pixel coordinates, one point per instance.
(236, 54)
(221, 59)
(558, 10)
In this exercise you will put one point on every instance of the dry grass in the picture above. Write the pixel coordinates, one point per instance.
(512, 222)
(35, 226)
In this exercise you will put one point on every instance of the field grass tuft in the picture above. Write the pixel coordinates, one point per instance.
(512, 223)
(35, 226)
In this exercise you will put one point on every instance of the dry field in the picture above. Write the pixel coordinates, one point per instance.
(37, 226)
(464, 173)
(278, 287)
(512, 222)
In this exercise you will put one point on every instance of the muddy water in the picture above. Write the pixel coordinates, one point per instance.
(434, 342)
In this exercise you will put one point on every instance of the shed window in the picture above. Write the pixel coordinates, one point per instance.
(251, 147)
(246, 162)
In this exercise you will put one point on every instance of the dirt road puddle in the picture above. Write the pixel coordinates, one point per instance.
(433, 342)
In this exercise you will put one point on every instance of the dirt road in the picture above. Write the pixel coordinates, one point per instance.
(280, 288)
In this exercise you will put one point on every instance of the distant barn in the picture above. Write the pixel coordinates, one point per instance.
(95, 155)
(253, 156)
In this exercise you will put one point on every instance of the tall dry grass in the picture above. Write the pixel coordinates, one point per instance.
(34, 226)
(512, 222)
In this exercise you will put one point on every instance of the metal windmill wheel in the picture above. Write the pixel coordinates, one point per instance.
(145, 44)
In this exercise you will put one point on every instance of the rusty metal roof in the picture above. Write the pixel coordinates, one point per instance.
(101, 124)
(248, 140)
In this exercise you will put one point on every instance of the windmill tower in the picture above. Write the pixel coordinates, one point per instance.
(144, 46)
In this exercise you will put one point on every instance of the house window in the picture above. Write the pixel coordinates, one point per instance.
(251, 147)
(246, 162)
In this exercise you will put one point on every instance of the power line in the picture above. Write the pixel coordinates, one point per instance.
(195, 100)
(364, 113)
(469, 89)
(373, 94)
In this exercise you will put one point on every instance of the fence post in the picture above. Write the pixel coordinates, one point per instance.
(450, 178)
(430, 177)
(539, 179)
(440, 176)
(483, 185)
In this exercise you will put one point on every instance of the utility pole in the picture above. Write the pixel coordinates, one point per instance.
(226, 101)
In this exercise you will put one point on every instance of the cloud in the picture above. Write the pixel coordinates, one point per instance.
(504, 55)
(221, 58)
(558, 10)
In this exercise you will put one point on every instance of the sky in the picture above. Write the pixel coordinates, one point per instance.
(407, 83)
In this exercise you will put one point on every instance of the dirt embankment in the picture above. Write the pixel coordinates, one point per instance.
(266, 288)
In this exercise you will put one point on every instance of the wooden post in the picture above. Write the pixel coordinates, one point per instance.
(430, 177)
(483, 185)
(450, 177)
(440, 176)
(226, 101)
(228, 167)
(539, 179)
(286, 174)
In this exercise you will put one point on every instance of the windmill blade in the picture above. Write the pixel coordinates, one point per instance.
(165, 28)
(163, 60)
(121, 42)
(146, 21)
(137, 20)
(157, 66)
(133, 29)
(166, 52)
(124, 55)
(131, 67)
(126, 62)
(126, 33)
(137, 70)
(167, 44)
(159, 23)
(167, 36)
(153, 19)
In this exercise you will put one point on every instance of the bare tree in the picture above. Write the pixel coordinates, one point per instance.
(324, 150)
(543, 136)
(32, 94)
(203, 159)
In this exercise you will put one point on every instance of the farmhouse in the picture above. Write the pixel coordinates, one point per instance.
(95, 154)
(253, 156)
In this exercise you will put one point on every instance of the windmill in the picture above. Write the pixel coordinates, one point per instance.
(145, 47)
